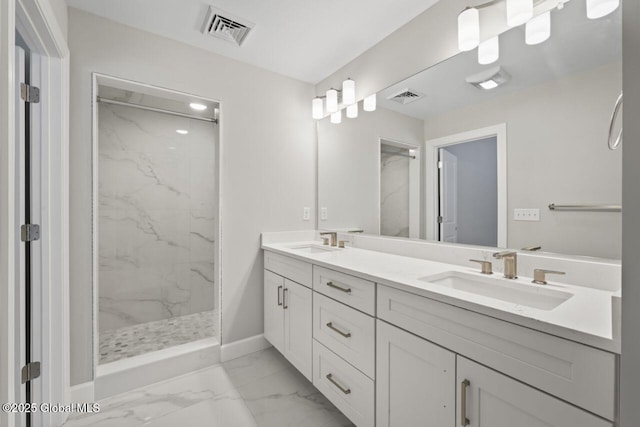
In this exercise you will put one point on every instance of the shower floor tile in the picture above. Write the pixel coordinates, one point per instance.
(135, 340)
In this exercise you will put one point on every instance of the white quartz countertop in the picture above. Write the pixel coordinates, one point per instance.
(590, 316)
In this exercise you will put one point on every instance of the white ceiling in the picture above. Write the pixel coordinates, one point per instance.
(304, 39)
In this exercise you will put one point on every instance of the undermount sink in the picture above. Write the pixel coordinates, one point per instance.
(501, 289)
(313, 249)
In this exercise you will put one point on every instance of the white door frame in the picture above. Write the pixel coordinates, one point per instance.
(414, 190)
(36, 22)
(500, 132)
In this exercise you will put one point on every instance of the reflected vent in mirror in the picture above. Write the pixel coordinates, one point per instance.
(226, 26)
(406, 96)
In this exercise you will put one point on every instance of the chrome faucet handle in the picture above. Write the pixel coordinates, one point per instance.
(539, 275)
(486, 266)
(510, 263)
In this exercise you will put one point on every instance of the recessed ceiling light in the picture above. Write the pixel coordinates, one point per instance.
(197, 106)
(182, 131)
(489, 79)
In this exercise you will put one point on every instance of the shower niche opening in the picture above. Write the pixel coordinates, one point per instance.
(156, 214)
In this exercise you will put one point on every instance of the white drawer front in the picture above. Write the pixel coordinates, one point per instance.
(353, 291)
(579, 374)
(348, 389)
(292, 269)
(347, 332)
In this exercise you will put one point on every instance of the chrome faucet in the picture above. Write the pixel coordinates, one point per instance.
(510, 263)
(333, 235)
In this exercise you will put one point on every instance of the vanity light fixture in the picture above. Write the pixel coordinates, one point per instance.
(336, 117)
(182, 131)
(599, 8)
(489, 51)
(348, 92)
(468, 29)
(332, 100)
(489, 79)
(538, 29)
(369, 103)
(197, 106)
(352, 110)
(519, 12)
(316, 108)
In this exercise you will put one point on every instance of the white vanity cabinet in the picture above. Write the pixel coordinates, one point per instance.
(415, 381)
(493, 399)
(288, 312)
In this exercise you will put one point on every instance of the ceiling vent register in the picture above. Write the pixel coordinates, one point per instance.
(226, 26)
(406, 96)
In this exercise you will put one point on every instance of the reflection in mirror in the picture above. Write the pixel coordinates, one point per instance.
(495, 145)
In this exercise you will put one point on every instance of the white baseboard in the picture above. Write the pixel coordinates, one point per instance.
(82, 393)
(243, 347)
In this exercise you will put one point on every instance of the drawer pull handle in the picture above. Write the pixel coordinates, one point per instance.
(345, 290)
(279, 296)
(464, 421)
(284, 298)
(342, 389)
(344, 334)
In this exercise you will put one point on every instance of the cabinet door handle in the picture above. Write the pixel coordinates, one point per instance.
(284, 298)
(344, 334)
(464, 421)
(279, 297)
(342, 389)
(340, 288)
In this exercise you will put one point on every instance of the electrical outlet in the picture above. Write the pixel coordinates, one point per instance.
(526, 214)
(306, 214)
(323, 214)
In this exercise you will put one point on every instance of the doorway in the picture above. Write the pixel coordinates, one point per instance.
(468, 193)
(467, 188)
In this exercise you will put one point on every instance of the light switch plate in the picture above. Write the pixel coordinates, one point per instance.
(323, 214)
(526, 214)
(306, 214)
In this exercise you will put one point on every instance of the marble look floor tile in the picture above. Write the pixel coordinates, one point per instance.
(227, 410)
(288, 399)
(255, 366)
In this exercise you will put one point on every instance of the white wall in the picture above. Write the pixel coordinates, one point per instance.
(349, 165)
(268, 160)
(60, 11)
(556, 153)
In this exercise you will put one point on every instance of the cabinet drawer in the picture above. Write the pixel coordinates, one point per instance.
(579, 374)
(292, 269)
(345, 331)
(348, 389)
(352, 291)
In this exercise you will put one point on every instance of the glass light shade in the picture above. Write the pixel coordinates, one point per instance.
(348, 92)
(538, 29)
(599, 8)
(336, 117)
(468, 29)
(489, 51)
(352, 111)
(489, 84)
(519, 12)
(332, 101)
(316, 108)
(369, 103)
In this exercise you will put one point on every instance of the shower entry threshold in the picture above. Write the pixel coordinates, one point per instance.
(139, 371)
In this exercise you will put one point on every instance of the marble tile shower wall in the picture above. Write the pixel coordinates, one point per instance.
(156, 216)
(394, 195)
